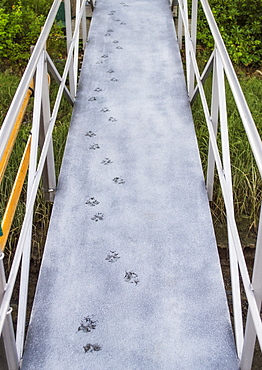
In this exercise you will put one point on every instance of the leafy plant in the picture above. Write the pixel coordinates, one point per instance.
(240, 25)
(20, 26)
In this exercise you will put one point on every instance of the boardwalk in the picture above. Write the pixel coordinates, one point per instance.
(130, 276)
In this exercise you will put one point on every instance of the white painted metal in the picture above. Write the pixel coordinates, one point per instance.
(30, 204)
(84, 29)
(76, 54)
(204, 75)
(244, 111)
(38, 61)
(56, 75)
(135, 72)
(223, 64)
(250, 332)
(8, 331)
(23, 292)
(193, 39)
(68, 41)
(227, 172)
(49, 176)
(180, 28)
(214, 119)
(27, 76)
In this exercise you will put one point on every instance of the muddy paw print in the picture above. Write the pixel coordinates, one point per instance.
(92, 202)
(98, 89)
(87, 324)
(105, 109)
(92, 348)
(112, 257)
(94, 147)
(90, 134)
(106, 161)
(92, 99)
(110, 71)
(98, 217)
(131, 277)
(118, 180)
(112, 119)
(114, 79)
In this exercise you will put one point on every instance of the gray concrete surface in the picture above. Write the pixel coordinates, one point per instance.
(130, 276)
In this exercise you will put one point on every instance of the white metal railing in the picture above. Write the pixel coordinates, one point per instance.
(221, 66)
(38, 66)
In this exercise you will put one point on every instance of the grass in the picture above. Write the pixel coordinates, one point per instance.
(247, 184)
(8, 85)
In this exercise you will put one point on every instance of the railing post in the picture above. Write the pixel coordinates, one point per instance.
(187, 41)
(250, 333)
(235, 282)
(191, 81)
(68, 21)
(180, 27)
(23, 293)
(84, 30)
(76, 51)
(48, 176)
(8, 351)
(214, 118)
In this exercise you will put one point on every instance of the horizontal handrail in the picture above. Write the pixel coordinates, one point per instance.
(26, 78)
(15, 195)
(221, 65)
(244, 111)
(35, 159)
(12, 138)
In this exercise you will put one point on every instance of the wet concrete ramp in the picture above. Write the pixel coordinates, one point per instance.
(130, 277)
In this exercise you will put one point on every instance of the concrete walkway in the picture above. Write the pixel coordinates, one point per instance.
(130, 276)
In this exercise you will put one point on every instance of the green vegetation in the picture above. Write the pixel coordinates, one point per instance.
(241, 28)
(247, 184)
(8, 85)
(240, 25)
(20, 26)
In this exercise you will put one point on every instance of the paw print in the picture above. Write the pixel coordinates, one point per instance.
(106, 161)
(112, 257)
(92, 347)
(87, 325)
(90, 134)
(131, 277)
(98, 217)
(118, 180)
(94, 146)
(92, 202)
(105, 109)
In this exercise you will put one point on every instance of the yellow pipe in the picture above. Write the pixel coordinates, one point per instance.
(13, 136)
(14, 196)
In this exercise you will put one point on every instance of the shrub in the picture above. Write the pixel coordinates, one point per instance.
(20, 26)
(240, 25)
